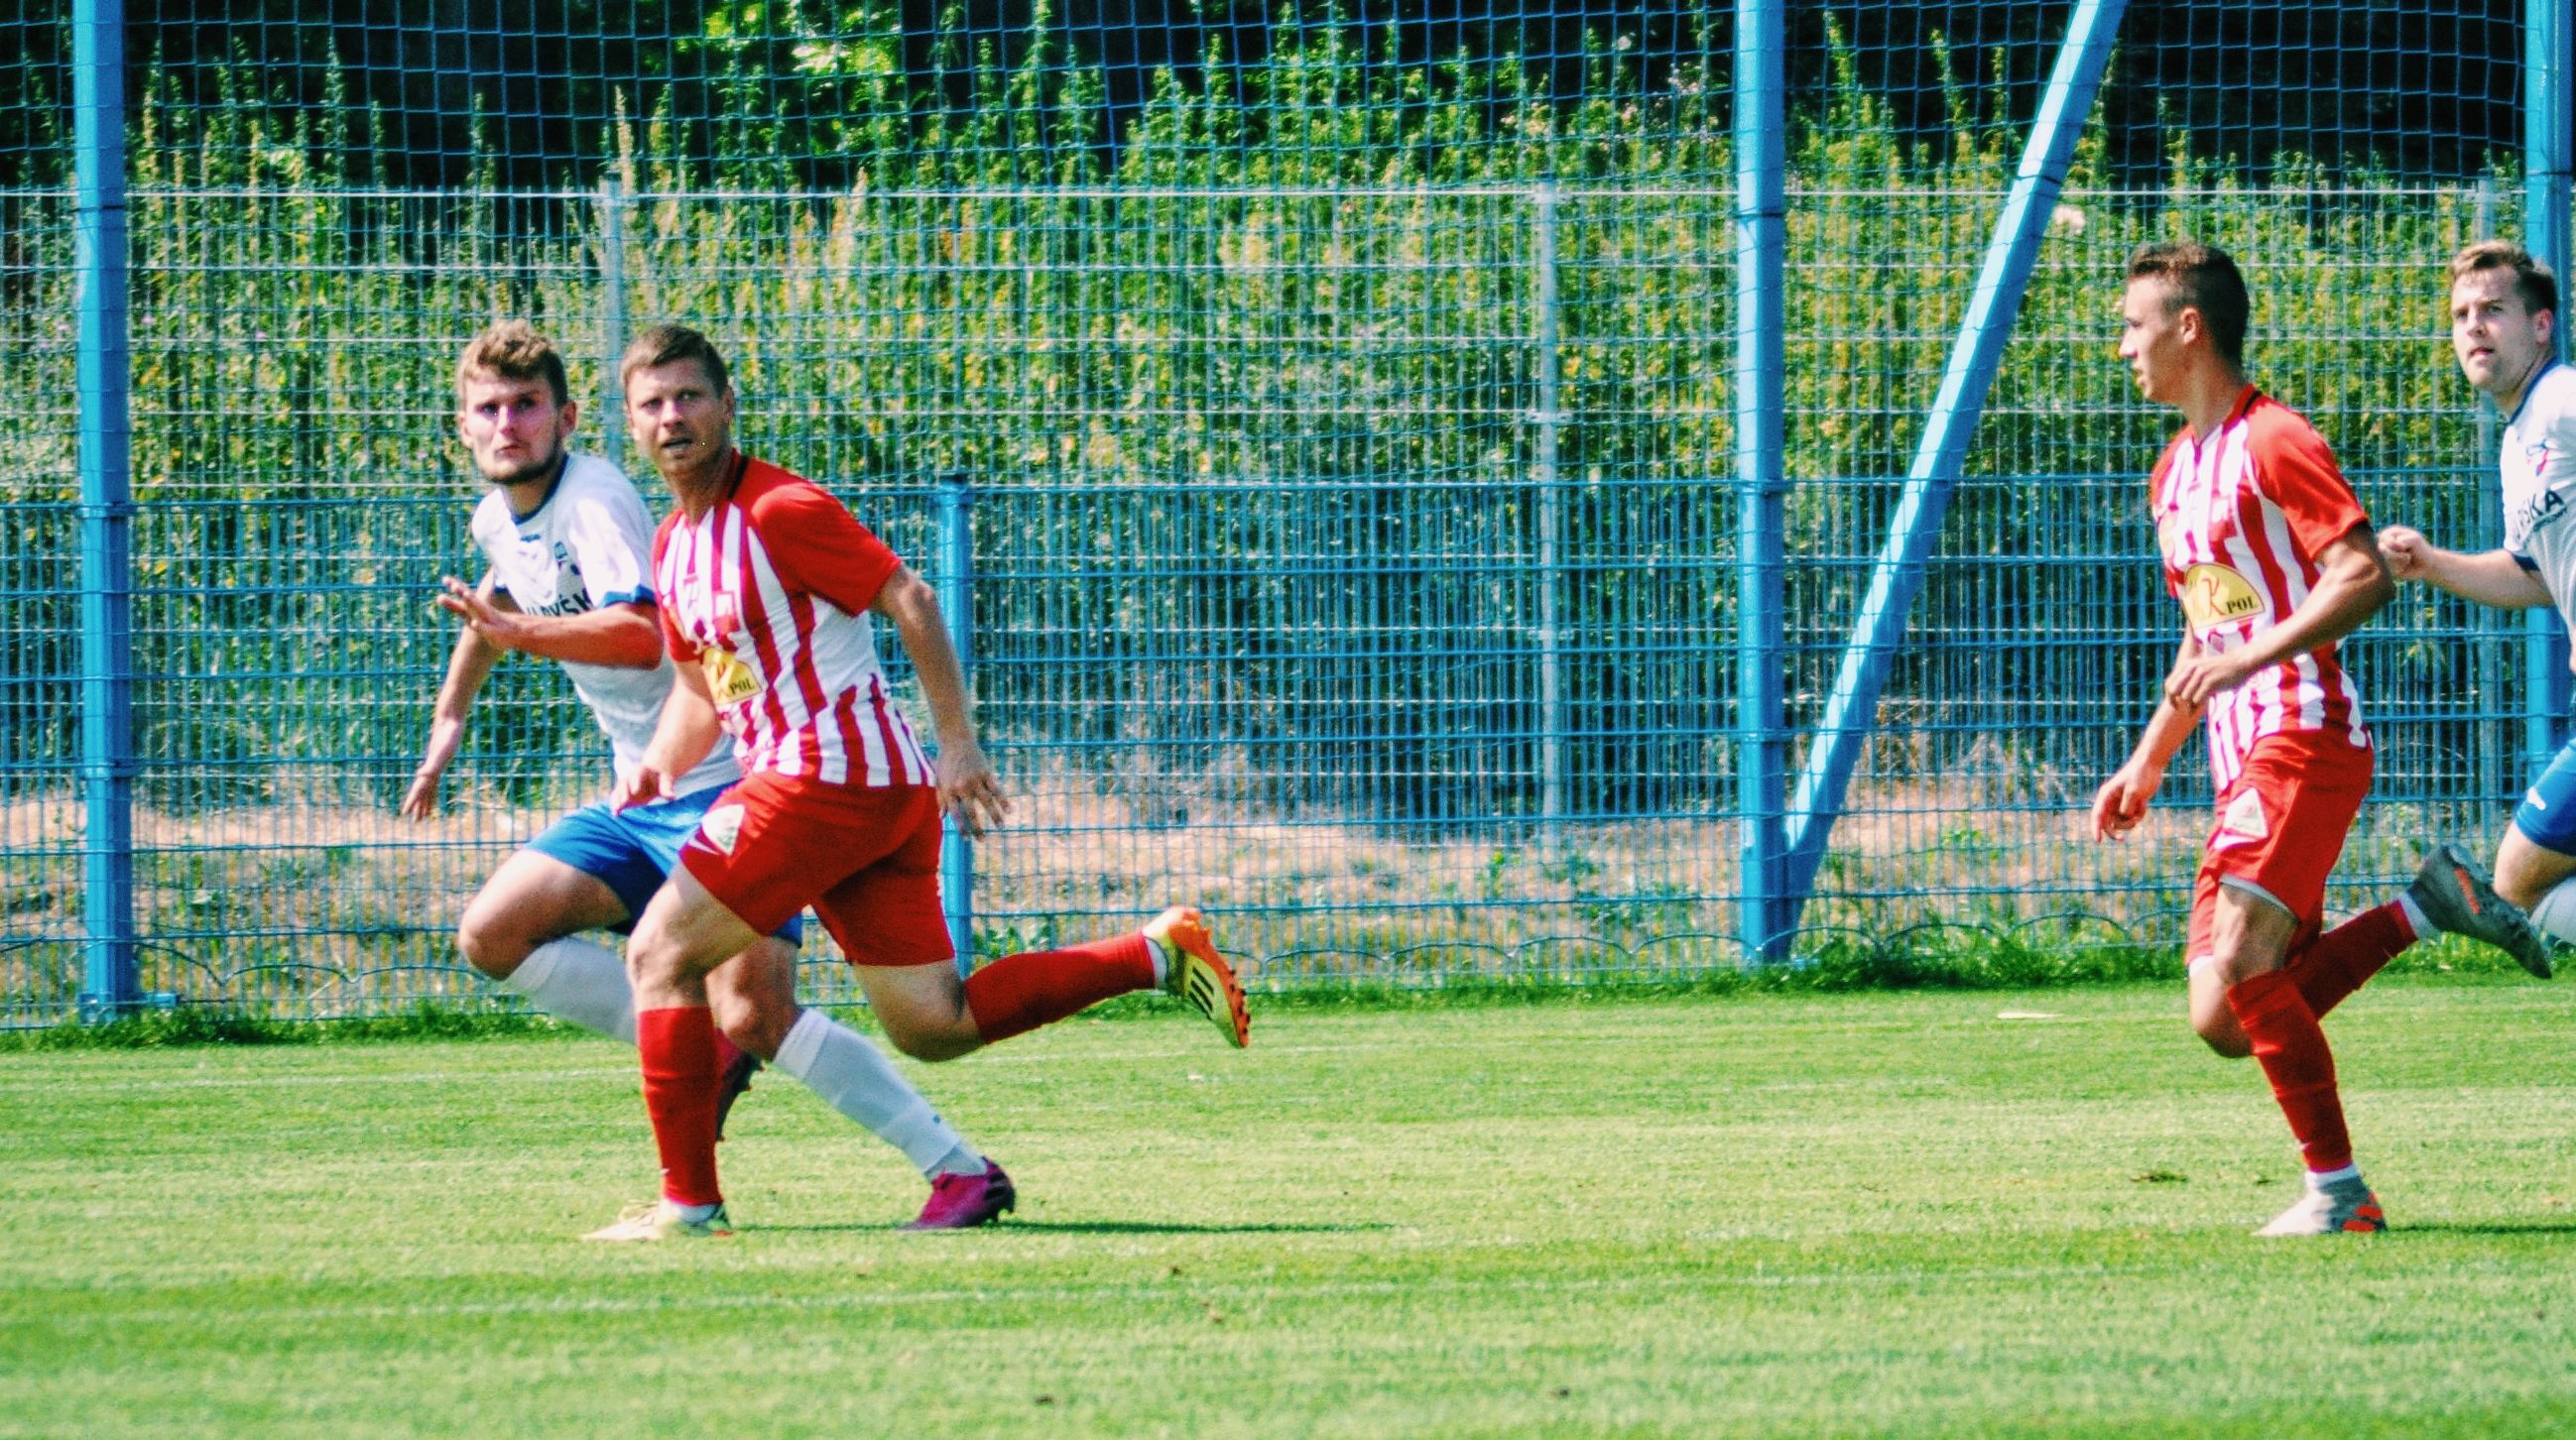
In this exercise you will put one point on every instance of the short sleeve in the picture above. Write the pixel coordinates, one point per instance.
(489, 528)
(2296, 469)
(818, 546)
(612, 541)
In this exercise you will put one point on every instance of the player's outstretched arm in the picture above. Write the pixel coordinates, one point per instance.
(622, 635)
(469, 664)
(2491, 577)
(968, 788)
(681, 738)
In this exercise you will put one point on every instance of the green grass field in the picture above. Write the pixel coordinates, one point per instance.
(1774, 1215)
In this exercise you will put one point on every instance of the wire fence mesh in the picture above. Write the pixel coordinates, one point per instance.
(1347, 404)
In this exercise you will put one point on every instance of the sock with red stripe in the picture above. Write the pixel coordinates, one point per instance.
(2343, 959)
(1019, 993)
(2292, 1050)
(681, 1069)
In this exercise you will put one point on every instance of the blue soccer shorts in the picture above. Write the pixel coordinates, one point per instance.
(631, 851)
(2547, 815)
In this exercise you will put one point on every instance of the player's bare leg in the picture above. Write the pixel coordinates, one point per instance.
(682, 926)
(523, 928)
(931, 1014)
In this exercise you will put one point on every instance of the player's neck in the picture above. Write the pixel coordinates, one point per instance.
(2507, 402)
(527, 497)
(2208, 396)
(700, 487)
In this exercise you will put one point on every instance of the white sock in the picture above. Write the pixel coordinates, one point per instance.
(581, 981)
(2556, 912)
(2320, 1179)
(692, 1213)
(1161, 950)
(2416, 919)
(855, 1078)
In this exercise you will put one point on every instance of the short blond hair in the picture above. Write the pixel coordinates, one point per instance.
(513, 350)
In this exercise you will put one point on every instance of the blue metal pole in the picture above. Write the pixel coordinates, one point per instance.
(2548, 117)
(1898, 574)
(955, 506)
(1763, 919)
(108, 986)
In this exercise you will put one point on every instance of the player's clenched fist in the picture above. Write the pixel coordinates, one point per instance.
(2122, 801)
(2404, 549)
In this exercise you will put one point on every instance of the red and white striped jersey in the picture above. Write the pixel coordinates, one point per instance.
(768, 594)
(2242, 514)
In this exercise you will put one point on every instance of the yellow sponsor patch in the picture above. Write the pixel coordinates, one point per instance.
(2213, 595)
(729, 680)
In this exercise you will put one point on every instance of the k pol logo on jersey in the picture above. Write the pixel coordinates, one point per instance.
(2214, 595)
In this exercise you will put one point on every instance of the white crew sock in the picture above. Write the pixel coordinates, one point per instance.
(2556, 912)
(581, 981)
(2320, 1179)
(855, 1078)
(2416, 919)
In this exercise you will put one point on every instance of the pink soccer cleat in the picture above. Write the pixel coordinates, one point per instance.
(962, 1202)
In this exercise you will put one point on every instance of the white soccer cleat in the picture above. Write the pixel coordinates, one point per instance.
(2344, 1207)
(661, 1220)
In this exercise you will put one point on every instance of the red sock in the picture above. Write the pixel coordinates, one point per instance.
(2293, 1053)
(1022, 992)
(680, 1074)
(2343, 959)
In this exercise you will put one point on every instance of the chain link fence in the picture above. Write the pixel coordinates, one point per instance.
(1355, 525)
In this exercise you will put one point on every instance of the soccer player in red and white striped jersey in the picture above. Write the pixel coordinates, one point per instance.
(769, 593)
(2273, 561)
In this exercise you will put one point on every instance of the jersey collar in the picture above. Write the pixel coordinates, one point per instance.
(563, 467)
(2528, 387)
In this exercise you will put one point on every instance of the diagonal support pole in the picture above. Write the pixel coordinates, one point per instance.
(1897, 576)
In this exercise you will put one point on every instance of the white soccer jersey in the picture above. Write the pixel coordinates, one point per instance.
(590, 545)
(2538, 464)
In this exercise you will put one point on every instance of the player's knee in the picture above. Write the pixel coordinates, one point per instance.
(929, 1039)
(2223, 1038)
(492, 948)
(754, 1027)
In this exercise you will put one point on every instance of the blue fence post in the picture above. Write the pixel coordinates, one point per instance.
(1897, 576)
(955, 505)
(1762, 922)
(1549, 418)
(108, 986)
(2547, 115)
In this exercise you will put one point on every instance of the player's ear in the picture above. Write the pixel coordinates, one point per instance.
(567, 419)
(2189, 325)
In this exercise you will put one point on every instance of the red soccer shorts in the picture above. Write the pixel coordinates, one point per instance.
(2281, 827)
(866, 858)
